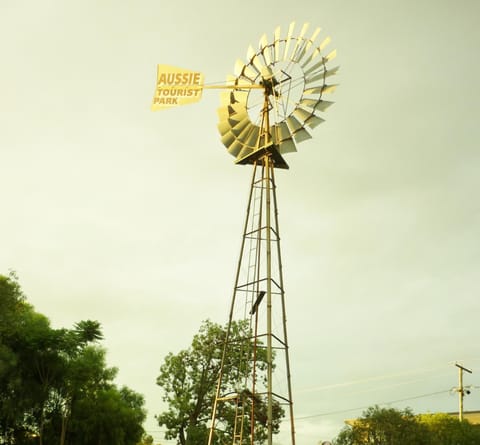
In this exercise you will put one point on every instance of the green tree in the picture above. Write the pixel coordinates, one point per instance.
(21, 392)
(445, 429)
(113, 416)
(51, 379)
(385, 426)
(189, 380)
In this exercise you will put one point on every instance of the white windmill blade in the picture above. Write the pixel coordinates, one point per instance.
(293, 124)
(250, 136)
(288, 40)
(319, 65)
(222, 112)
(241, 95)
(223, 127)
(316, 105)
(314, 121)
(235, 148)
(310, 119)
(323, 71)
(300, 45)
(282, 138)
(312, 39)
(302, 135)
(327, 89)
(244, 152)
(281, 132)
(245, 72)
(228, 139)
(276, 44)
(265, 49)
(302, 115)
(316, 52)
(238, 69)
(314, 82)
(231, 80)
(331, 55)
(253, 60)
(287, 146)
(320, 75)
(237, 111)
(241, 125)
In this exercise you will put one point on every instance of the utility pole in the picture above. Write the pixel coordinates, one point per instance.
(460, 389)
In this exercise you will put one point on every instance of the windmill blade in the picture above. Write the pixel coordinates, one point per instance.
(245, 71)
(316, 105)
(240, 96)
(250, 136)
(300, 46)
(319, 65)
(245, 151)
(316, 52)
(235, 148)
(331, 55)
(293, 124)
(238, 69)
(329, 88)
(258, 63)
(288, 40)
(231, 79)
(312, 39)
(301, 115)
(302, 135)
(282, 138)
(280, 132)
(315, 78)
(313, 91)
(228, 139)
(314, 121)
(323, 71)
(237, 109)
(225, 98)
(287, 146)
(223, 127)
(276, 44)
(309, 117)
(251, 56)
(240, 126)
(249, 74)
(266, 50)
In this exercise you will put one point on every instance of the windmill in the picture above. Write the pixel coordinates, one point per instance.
(270, 104)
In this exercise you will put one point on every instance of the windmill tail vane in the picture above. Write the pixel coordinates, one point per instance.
(176, 86)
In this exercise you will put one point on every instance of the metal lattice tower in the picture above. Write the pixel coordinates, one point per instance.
(259, 300)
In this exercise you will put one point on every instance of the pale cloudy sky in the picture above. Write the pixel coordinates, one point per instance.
(134, 218)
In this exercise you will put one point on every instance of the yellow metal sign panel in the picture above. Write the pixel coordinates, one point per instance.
(176, 86)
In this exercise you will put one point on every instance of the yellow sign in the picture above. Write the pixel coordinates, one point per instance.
(176, 86)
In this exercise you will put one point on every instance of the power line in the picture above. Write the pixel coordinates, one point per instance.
(372, 379)
(331, 413)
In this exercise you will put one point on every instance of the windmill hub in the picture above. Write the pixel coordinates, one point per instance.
(269, 85)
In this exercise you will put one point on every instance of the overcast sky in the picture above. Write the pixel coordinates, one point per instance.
(133, 218)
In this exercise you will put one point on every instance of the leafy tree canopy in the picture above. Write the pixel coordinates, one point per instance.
(189, 380)
(55, 385)
(389, 426)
